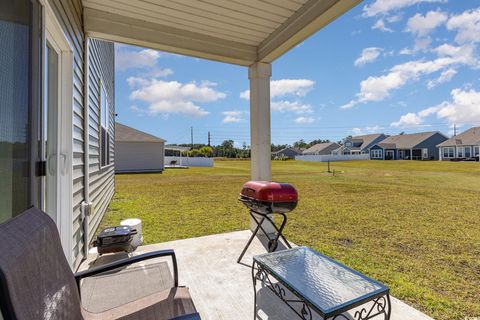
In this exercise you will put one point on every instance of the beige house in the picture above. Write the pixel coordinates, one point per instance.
(137, 151)
(465, 145)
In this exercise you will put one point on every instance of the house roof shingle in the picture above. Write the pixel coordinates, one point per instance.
(405, 141)
(125, 133)
(468, 138)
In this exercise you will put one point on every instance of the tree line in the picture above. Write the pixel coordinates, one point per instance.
(227, 149)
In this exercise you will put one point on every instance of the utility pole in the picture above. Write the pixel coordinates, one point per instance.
(454, 129)
(209, 138)
(191, 135)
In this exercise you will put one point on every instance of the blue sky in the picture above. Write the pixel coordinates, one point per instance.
(386, 66)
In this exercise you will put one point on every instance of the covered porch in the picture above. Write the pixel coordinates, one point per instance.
(251, 34)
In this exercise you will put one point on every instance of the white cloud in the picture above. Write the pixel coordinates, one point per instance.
(285, 87)
(383, 7)
(166, 97)
(232, 116)
(380, 87)
(463, 108)
(380, 25)
(445, 76)
(126, 58)
(304, 120)
(422, 25)
(367, 130)
(467, 25)
(368, 55)
(291, 106)
(421, 45)
(409, 120)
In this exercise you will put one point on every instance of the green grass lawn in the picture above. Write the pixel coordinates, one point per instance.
(412, 225)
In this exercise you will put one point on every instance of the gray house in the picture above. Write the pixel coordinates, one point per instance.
(138, 151)
(321, 148)
(359, 144)
(286, 153)
(416, 146)
(465, 145)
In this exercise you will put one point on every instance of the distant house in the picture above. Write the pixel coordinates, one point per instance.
(288, 153)
(416, 146)
(464, 145)
(359, 144)
(137, 151)
(321, 148)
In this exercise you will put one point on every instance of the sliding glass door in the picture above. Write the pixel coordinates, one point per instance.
(20, 54)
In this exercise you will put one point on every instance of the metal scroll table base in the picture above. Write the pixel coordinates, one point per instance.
(272, 242)
(379, 307)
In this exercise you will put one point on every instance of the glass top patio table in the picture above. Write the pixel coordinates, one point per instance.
(325, 284)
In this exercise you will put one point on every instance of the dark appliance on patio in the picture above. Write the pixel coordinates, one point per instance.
(265, 198)
(115, 239)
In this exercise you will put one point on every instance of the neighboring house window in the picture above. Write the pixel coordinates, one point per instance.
(448, 152)
(104, 133)
(425, 153)
(468, 152)
(460, 152)
(377, 154)
(476, 151)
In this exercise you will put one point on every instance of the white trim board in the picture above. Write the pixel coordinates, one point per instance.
(55, 36)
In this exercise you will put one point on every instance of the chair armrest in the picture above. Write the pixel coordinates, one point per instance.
(128, 261)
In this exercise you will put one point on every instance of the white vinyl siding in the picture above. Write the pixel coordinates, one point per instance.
(101, 182)
(376, 154)
(449, 152)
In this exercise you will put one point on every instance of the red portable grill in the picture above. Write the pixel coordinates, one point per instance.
(265, 198)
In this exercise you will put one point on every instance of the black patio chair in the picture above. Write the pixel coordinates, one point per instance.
(36, 281)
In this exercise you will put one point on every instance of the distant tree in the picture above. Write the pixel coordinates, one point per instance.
(206, 151)
(300, 144)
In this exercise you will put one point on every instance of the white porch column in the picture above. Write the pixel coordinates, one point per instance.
(260, 135)
(259, 75)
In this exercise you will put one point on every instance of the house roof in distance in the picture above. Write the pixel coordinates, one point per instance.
(468, 138)
(320, 147)
(366, 140)
(406, 141)
(125, 133)
(294, 150)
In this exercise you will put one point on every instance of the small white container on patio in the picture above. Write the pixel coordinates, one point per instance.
(135, 224)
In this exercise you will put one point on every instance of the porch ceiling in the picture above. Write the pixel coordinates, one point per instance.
(233, 31)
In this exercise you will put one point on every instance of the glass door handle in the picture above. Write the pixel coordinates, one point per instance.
(51, 163)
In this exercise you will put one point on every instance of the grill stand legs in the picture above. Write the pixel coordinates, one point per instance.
(272, 243)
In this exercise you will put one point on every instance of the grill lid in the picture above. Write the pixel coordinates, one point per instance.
(267, 191)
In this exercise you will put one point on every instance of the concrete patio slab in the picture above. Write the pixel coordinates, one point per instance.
(222, 289)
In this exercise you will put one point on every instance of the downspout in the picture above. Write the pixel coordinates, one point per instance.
(87, 205)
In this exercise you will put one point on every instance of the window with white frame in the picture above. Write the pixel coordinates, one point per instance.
(424, 153)
(476, 151)
(448, 152)
(460, 152)
(467, 152)
(376, 154)
(104, 132)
